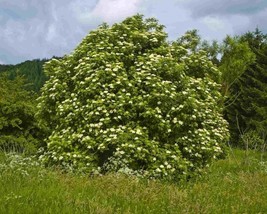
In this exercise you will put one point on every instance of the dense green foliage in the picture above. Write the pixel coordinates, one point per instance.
(18, 128)
(126, 100)
(237, 57)
(248, 111)
(31, 70)
(5, 67)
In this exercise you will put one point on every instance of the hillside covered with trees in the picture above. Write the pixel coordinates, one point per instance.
(31, 70)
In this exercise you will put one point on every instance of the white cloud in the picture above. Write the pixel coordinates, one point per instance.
(108, 11)
(53, 30)
(113, 10)
(51, 33)
(213, 23)
(224, 7)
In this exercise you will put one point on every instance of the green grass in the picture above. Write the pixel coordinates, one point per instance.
(237, 184)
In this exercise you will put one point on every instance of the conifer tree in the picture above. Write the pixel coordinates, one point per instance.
(249, 110)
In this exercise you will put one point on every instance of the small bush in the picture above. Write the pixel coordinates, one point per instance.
(252, 140)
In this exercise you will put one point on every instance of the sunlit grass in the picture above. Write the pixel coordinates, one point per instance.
(237, 184)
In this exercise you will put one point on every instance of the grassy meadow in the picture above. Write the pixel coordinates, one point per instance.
(237, 184)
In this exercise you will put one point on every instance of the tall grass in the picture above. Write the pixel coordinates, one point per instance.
(237, 184)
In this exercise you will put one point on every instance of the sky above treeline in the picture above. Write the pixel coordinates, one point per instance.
(31, 29)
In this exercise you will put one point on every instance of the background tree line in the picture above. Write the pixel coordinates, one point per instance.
(31, 70)
(241, 59)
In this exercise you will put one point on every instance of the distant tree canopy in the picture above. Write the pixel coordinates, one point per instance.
(18, 127)
(5, 67)
(31, 70)
(127, 100)
(236, 58)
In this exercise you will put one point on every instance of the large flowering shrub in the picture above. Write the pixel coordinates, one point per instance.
(128, 101)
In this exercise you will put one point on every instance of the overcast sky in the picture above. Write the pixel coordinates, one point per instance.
(31, 29)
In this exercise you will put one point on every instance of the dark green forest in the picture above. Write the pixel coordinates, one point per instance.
(31, 70)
